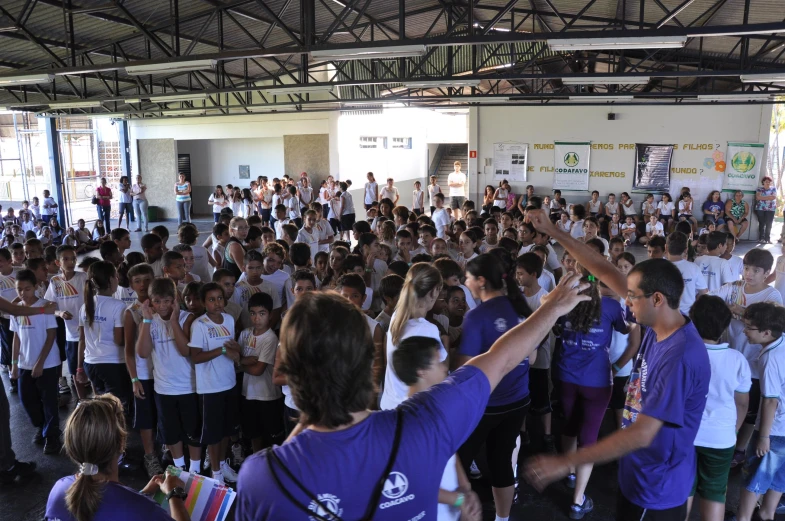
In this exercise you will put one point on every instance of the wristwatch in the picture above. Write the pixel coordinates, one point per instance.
(177, 492)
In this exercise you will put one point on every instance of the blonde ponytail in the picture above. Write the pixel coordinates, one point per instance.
(421, 280)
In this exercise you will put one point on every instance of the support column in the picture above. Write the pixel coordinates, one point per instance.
(125, 149)
(55, 168)
(476, 166)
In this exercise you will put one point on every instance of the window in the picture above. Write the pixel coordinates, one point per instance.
(373, 142)
(401, 142)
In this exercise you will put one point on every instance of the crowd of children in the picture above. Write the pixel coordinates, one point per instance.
(186, 338)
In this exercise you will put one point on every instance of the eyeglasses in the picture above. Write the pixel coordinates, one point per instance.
(748, 328)
(636, 297)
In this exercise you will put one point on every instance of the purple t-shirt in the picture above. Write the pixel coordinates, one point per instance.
(341, 469)
(585, 358)
(670, 382)
(714, 206)
(482, 326)
(118, 503)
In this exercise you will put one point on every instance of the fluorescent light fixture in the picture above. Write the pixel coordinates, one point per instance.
(170, 68)
(591, 44)
(75, 105)
(763, 78)
(298, 89)
(735, 97)
(601, 98)
(479, 99)
(604, 80)
(441, 83)
(132, 100)
(178, 97)
(184, 113)
(400, 51)
(109, 115)
(29, 79)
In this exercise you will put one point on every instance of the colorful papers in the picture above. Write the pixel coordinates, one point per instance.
(208, 500)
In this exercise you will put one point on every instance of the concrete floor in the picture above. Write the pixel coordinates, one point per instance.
(23, 501)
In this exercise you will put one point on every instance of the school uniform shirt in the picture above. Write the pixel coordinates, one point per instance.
(594, 207)
(217, 375)
(82, 234)
(482, 326)
(736, 265)
(433, 190)
(32, 333)
(715, 270)
(564, 226)
(471, 302)
(126, 295)
(370, 192)
(655, 230)
(395, 391)
(626, 226)
(685, 208)
(348, 203)
(431, 435)
(8, 289)
(99, 338)
(388, 193)
(368, 299)
(585, 357)
(543, 360)
(277, 279)
(262, 347)
(201, 264)
(279, 228)
(325, 232)
(144, 366)
(619, 342)
(69, 296)
(577, 230)
(417, 199)
(547, 281)
(779, 281)
(233, 310)
(217, 202)
(666, 209)
(734, 293)
(440, 221)
(293, 208)
(383, 319)
(730, 374)
(27, 226)
(669, 382)
(310, 238)
(772, 383)
(306, 195)
(173, 373)
(51, 210)
(158, 267)
(694, 282)
(243, 292)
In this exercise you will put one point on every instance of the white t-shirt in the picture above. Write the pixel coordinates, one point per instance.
(501, 203)
(370, 192)
(126, 295)
(173, 373)
(736, 265)
(547, 281)
(68, 296)
(144, 366)
(779, 282)
(730, 374)
(619, 342)
(457, 177)
(52, 207)
(655, 230)
(417, 199)
(201, 264)
(565, 226)
(389, 193)
(470, 301)
(99, 338)
(32, 332)
(577, 229)
(543, 360)
(217, 202)
(449, 482)
(8, 288)
(433, 190)
(693, 282)
(395, 391)
(218, 374)
(734, 293)
(293, 207)
(715, 270)
(440, 221)
(125, 196)
(242, 294)
(306, 195)
(310, 238)
(684, 208)
(263, 348)
(325, 232)
(772, 382)
(277, 279)
(665, 209)
(348, 203)
(630, 226)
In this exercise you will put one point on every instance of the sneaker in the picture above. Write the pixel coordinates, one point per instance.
(474, 471)
(738, 459)
(38, 439)
(578, 511)
(549, 444)
(14, 387)
(237, 455)
(152, 466)
(62, 386)
(53, 446)
(138, 230)
(19, 468)
(569, 481)
(228, 472)
(126, 465)
(206, 466)
(219, 477)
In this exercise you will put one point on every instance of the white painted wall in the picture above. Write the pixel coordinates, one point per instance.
(700, 128)
(217, 161)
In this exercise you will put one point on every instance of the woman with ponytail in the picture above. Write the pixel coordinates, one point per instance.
(95, 438)
(101, 340)
(586, 379)
(491, 278)
(421, 288)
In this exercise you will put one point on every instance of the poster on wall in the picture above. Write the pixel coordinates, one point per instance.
(742, 167)
(510, 161)
(245, 171)
(652, 167)
(571, 165)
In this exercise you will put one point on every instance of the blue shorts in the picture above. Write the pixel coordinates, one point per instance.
(144, 409)
(768, 472)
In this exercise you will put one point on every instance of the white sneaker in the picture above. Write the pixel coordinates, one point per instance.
(206, 460)
(237, 455)
(474, 471)
(228, 472)
(218, 476)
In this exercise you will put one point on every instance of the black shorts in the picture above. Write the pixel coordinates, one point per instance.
(627, 510)
(263, 419)
(144, 409)
(111, 378)
(456, 202)
(291, 418)
(539, 390)
(60, 338)
(336, 225)
(619, 394)
(178, 418)
(234, 405)
(752, 410)
(218, 421)
(266, 213)
(347, 221)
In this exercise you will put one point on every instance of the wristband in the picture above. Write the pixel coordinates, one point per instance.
(616, 368)
(368, 270)
(43, 311)
(80, 370)
(459, 501)
(134, 380)
(223, 350)
(147, 321)
(14, 362)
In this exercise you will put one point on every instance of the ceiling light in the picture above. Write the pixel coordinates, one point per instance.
(178, 97)
(604, 80)
(763, 78)
(184, 113)
(591, 44)
(298, 89)
(400, 51)
(479, 99)
(29, 79)
(108, 115)
(75, 105)
(171, 67)
(132, 100)
(734, 97)
(601, 98)
(441, 83)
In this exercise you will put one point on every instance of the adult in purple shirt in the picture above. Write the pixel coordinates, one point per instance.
(714, 209)
(666, 397)
(345, 462)
(94, 440)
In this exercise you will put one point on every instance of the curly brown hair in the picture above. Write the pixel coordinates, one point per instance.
(586, 313)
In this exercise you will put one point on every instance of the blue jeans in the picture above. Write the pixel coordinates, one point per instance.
(183, 212)
(103, 215)
(768, 472)
(140, 208)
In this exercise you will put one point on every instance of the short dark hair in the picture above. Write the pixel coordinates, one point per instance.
(765, 316)
(107, 249)
(759, 258)
(413, 354)
(261, 300)
(289, 229)
(660, 276)
(677, 243)
(597, 242)
(27, 275)
(210, 286)
(304, 274)
(390, 286)
(657, 242)
(579, 210)
(448, 268)
(684, 227)
(399, 267)
(188, 234)
(149, 240)
(118, 233)
(531, 263)
(353, 261)
(161, 231)
(221, 274)
(299, 253)
(361, 227)
(253, 255)
(352, 280)
(169, 258)
(62, 249)
(715, 240)
(711, 317)
(421, 257)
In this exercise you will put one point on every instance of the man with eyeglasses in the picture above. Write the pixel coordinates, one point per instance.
(666, 397)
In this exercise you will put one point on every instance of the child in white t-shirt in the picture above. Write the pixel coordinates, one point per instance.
(418, 199)
(564, 223)
(629, 230)
(577, 215)
(715, 269)
(654, 228)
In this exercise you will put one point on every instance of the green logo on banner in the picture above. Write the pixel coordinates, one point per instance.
(571, 159)
(743, 162)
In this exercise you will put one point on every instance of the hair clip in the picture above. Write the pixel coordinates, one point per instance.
(591, 278)
(88, 469)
